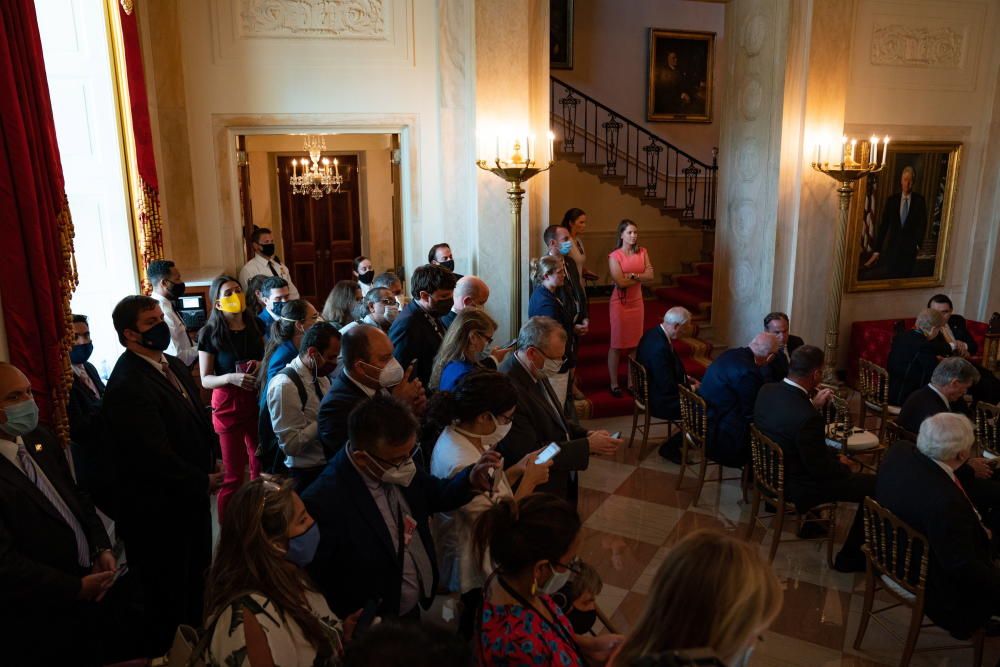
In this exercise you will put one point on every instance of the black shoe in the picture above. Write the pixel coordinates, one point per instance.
(616, 392)
(849, 562)
(813, 530)
(671, 453)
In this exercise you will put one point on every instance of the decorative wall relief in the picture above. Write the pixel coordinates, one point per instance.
(342, 19)
(901, 45)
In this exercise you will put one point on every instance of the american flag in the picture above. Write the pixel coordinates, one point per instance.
(868, 235)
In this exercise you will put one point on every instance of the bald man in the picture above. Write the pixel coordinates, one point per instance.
(55, 558)
(730, 388)
(469, 291)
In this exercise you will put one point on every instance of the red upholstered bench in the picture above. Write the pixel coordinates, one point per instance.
(872, 339)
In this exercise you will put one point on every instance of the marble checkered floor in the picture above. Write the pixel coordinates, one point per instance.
(632, 515)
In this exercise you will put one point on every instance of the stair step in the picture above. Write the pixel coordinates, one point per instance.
(616, 179)
(698, 284)
(678, 296)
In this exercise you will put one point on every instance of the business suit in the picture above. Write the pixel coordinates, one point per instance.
(730, 388)
(960, 329)
(574, 292)
(963, 585)
(535, 424)
(898, 241)
(545, 303)
(91, 456)
(921, 404)
(777, 370)
(416, 335)
(357, 560)
(40, 571)
(813, 473)
(164, 448)
(664, 373)
(912, 360)
(343, 396)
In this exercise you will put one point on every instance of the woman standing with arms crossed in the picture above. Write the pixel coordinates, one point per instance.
(630, 268)
(230, 349)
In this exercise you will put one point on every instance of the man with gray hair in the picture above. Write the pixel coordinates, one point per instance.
(470, 291)
(664, 368)
(919, 485)
(950, 381)
(915, 354)
(540, 418)
(901, 232)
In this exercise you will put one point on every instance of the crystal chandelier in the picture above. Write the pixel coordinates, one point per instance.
(317, 179)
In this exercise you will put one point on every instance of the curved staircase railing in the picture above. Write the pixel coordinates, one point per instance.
(642, 163)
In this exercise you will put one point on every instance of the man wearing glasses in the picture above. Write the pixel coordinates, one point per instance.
(381, 309)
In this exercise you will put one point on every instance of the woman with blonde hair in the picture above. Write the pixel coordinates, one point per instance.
(259, 577)
(466, 346)
(548, 275)
(712, 591)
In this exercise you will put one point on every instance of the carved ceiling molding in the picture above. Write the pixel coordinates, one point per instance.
(337, 19)
(899, 45)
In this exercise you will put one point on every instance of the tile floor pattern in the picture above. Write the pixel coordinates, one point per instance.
(632, 515)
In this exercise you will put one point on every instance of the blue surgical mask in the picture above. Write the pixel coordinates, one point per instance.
(80, 353)
(302, 548)
(22, 418)
(565, 247)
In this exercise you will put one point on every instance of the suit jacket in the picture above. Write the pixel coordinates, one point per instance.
(415, 338)
(664, 372)
(551, 304)
(334, 409)
(921, 404)
(963, 585)
(536, 424)
(898, 243)
(163, 443)
(786, 415)
(960, 329)
(447, 318)
(92, 459)
(730, 388)
(912, 360)
(356, 561)
(777, 370)
(84, 408)
(575, 292)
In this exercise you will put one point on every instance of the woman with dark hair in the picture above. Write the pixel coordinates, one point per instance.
(476, 416)
(297, 317)
(533, 543)
(630, 267)
(575, 221)
(261, 608)
(230, 349)
(253, 289)
(465, 347)
(548, 274)
(364, 273)
(344, 304)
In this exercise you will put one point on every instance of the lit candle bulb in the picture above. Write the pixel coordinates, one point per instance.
(552, 146)
(873, 156)
(336, 169)
(854, 143)
(885, 148)
(294, 164)
(843, 150)
(326, 166)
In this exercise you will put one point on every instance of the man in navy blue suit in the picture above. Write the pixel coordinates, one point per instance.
(373, 506)
(730, 388)
(901, 233)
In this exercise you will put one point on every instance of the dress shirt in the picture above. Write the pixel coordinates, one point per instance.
(180, 343)
(797, 386)
(369, 392)
(80, 371)
(155, 363)
(296, 427)
(263, 266)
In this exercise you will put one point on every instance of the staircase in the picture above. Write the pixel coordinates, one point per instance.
(691, 290)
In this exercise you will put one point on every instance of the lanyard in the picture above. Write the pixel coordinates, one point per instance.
(559, 628)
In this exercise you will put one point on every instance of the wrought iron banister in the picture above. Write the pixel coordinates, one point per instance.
(685, 184)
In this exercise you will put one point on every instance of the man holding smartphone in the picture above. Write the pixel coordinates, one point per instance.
(539, 418)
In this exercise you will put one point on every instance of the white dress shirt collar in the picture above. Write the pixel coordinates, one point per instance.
(155, 363)
(797, 386)
(8, 448)
(369, 392)
(527, 367)
(943, 397)
(947, 468)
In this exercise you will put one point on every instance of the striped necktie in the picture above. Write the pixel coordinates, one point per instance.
(45, 486)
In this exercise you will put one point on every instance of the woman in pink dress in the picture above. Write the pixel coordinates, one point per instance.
(630, 267)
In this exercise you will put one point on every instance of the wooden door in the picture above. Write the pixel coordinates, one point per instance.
(321, 237)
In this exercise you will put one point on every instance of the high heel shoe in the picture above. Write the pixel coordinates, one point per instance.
(616, 392)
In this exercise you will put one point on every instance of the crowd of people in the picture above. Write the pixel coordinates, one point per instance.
(369, 457)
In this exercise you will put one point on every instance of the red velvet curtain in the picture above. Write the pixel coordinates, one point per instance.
(37, 271)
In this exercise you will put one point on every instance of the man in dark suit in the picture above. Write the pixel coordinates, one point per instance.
(914, 355)
(573, 292)
(272, 297)
(777, 324)
(951, 380)
(470, 292)
(901, 233)
(814, 473)
(956, 333)
(539, 418)
(94, 469)
(730, 388)
(417, 332)
(919, 485)
(373, 505)
(164, 450)
(664, 368)
(55, 558)
(369, 368)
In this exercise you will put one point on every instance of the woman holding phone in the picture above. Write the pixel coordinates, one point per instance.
(230, 349)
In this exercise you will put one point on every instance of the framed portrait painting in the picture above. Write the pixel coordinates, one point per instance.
(680, 76)
(901, 217)
(561, 34)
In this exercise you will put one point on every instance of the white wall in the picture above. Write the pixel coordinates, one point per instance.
(611, 60)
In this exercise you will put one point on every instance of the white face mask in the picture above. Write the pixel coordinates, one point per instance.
(555, 582)
(391, 375)
(401, 475)
(551, 367)
(490, 440)
(390, 313)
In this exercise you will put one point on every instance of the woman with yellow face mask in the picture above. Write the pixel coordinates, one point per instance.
(230, 349)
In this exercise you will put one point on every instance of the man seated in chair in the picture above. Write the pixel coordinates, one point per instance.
(956, 333)
(919, 485)
(777, 324)
(814, 473)
(914, 355)
(730, 389)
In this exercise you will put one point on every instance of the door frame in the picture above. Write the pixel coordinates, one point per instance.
(227, 127)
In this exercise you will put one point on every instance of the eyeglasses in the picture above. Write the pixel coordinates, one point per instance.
(401, 462)
(388, 301)
(573, 566)
(503, 420)
(488, 339)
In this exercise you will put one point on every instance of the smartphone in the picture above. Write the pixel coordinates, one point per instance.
(509, 345)
(122, 569)
(617, 435)
(548, 453)
(367, 618)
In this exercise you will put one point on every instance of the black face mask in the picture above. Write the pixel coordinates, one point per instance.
(367, 277)
(449, 264)
(267, 249)
(442, 307)
(156, 337)
(277, 308)
(582, 621)
(80, 353)
(177, 290)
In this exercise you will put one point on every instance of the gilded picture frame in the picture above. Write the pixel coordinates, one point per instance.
(899, 242)
(679, 81)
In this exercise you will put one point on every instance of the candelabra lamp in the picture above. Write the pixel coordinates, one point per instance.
(856, 160)
(514, 162)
